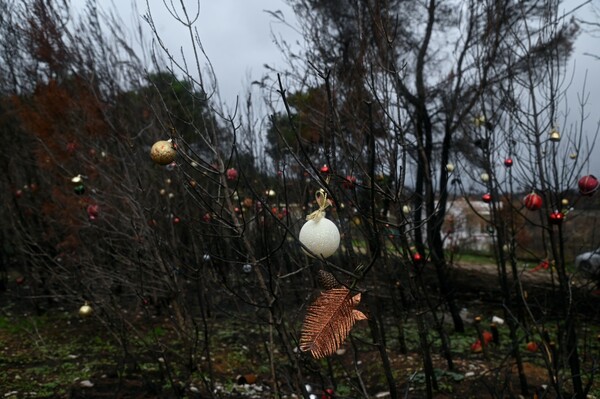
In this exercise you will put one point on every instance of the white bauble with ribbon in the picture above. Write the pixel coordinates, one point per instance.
(320, 235)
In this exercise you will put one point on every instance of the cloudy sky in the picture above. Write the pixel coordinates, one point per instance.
(237, 38)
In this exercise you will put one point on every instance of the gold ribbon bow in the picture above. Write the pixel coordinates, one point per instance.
(323, 202)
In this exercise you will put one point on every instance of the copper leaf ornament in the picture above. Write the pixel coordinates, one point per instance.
(328, 321)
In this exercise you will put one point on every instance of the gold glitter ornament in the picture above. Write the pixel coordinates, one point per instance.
(85, 310)
(163, 152)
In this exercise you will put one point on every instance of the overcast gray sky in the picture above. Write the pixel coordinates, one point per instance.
(237, 37)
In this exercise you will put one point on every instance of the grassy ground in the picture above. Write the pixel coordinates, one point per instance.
(43, 356)
(57, 354)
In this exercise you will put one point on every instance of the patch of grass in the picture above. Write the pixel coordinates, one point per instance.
(8, 325)
(43, 355)
(445, 379)
(343, 390)
(474, 258)
(22, 324)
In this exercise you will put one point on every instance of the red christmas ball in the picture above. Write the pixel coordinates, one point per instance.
(532, 346)
(556, 217)
(176, 220)
(71, 147)
(328, 394)
(324, 169)
(476, 347)
(93, 211)
(508, 162)
(232, 174)
(417, 258)
(349, 182)
(487, 198)
(533, 202)
(588, 185)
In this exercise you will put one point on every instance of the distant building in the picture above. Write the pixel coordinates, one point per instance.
(466, 227)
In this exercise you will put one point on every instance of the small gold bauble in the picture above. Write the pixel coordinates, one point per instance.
(162, 152)
(565, 202)
(450, 167)
(485, 177)
(85, 310)
(406, 209)
(77, 180)
(479, 121)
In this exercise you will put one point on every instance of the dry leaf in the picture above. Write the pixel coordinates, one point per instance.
(328, 321)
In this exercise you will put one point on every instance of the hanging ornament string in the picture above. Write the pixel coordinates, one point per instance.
(323, 202)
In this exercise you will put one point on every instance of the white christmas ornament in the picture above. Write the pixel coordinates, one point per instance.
(319, 234)
(320, 237)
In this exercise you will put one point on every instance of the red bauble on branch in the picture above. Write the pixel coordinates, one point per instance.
(324, 169)
(349, 182)
(232, 174)
(532, 346)
(508, 162)
(487, 198)
(533, 202)
(417, 258)
(557, 217)
(588, 185)
(93, 211)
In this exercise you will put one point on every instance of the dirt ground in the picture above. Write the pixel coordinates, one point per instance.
(27, 355)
